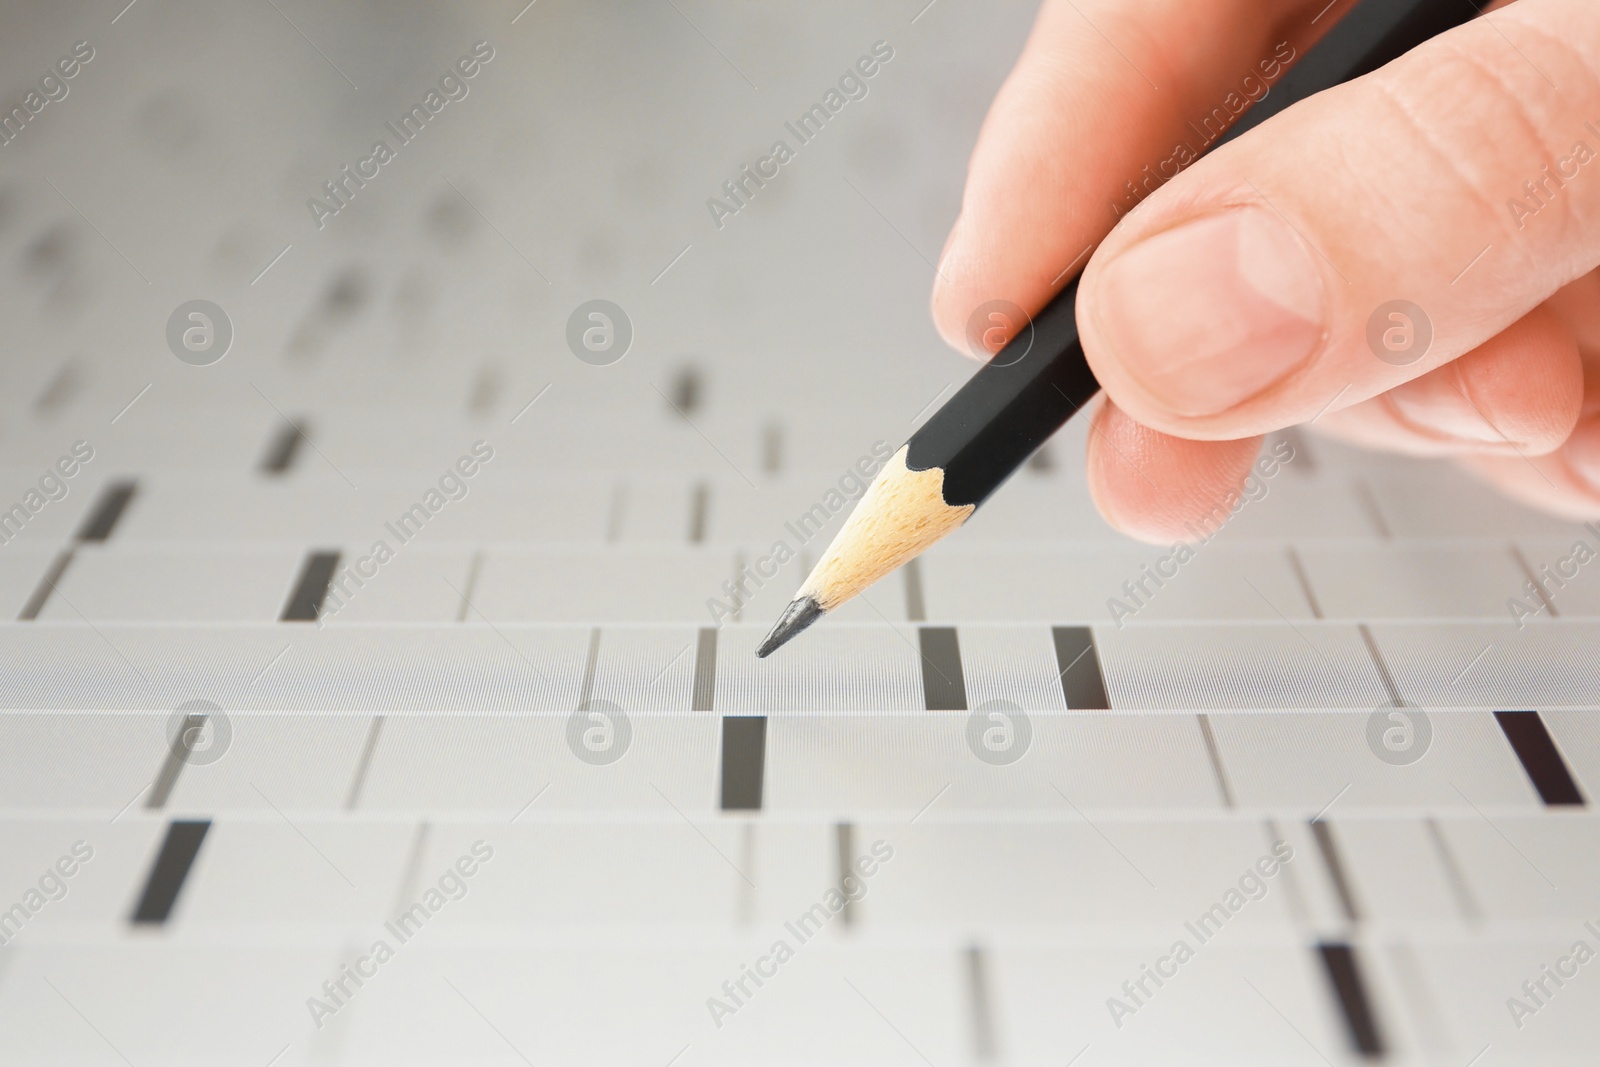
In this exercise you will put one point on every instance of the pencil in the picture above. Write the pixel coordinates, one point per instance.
(1026, 392)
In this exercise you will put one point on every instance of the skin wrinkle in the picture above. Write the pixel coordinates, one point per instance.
(1424, 137)
(1393, 410)
(1504, 90)
(1548, 154)
(1383, 82)
(1586, 64)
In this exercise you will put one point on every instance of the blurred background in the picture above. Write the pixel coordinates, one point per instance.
(578, 166)
(527, 748)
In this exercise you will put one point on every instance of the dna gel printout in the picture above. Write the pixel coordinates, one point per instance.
(414, 416)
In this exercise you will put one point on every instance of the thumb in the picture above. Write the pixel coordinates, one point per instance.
(1361, 238)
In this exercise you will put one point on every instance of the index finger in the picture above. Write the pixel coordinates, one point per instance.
(1108, 101)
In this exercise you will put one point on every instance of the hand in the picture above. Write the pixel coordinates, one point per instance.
(1236, 298)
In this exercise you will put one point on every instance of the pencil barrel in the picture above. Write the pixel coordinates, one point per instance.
(1008, 408)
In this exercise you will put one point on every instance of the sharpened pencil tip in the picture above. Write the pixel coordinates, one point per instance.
(801, 612)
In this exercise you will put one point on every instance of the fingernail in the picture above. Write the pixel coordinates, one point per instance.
(1583, 452)
(1437, 403)
(1211, 313)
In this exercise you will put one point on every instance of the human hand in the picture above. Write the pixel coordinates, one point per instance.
(1236, 299)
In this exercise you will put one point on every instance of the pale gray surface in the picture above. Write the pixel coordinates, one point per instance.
(436, 707)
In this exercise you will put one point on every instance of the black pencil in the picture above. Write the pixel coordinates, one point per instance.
(1027, 391)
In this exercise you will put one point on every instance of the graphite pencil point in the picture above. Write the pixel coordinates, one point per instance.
(801, 612)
